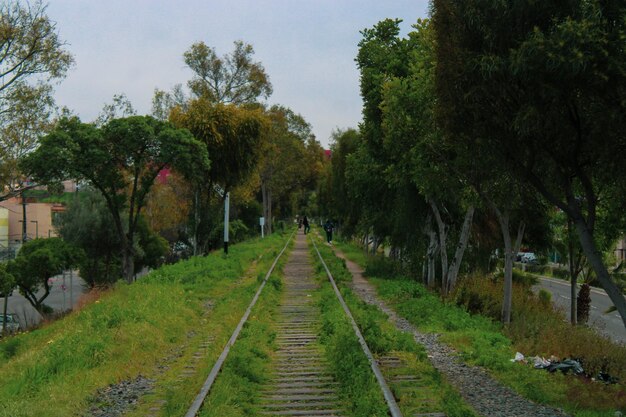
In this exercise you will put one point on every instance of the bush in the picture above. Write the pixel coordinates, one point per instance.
(537, 269)
(381, 267)
(560, 273)
(521, 278)
(545, 297)
(537, 329)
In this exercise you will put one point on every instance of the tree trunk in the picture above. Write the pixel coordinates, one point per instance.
(269, 219)
(37, 303)
(508, 268)
(4, 322)
(431, 251)
(453, 271)
(573, 274)
(443, 231)
(128, 262)
(432, 270)
(595, 260)
(196, 225)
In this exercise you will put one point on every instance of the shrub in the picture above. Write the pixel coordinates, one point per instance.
(545, 297)
(537, 269)
(520, 277)
(381, 267)
(537, 329)
(8, 347)
(560, 273)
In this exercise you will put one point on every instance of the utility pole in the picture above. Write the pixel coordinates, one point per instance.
(24, 225)
(4, 314)
(71, 289)
(226, 219)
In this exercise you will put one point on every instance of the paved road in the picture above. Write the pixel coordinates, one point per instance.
(608, 324)
(59, 299)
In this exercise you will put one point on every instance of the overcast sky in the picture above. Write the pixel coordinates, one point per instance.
(306, 46)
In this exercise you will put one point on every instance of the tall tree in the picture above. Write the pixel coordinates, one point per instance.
(284, 165)
(543, 84)
(382, 55)
(232, 136)
(417, 151)
(233, 78)
(219, 86)
(32, 57)
(121, 160)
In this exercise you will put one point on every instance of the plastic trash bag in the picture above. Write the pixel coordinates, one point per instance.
(566, 366)
(540, 363)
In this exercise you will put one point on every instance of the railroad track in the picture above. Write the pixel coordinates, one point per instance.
(302, 383)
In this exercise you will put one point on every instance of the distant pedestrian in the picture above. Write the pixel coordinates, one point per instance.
(299, 224)
(328, 227)
(307, 227)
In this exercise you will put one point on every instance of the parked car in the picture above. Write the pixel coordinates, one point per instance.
(529, 258)
(13, 324)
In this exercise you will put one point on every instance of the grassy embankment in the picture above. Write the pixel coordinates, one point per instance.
(357, 381)
(536, 329)
(160, 320)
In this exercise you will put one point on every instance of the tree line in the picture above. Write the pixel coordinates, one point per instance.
(490, 126)
(215, 133)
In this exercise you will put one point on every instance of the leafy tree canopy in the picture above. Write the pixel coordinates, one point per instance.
(121, 159)
(233, 78)
(231, 134)
(32, 57)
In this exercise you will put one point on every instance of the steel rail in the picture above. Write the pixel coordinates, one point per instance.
(391, 401)
(206, 387)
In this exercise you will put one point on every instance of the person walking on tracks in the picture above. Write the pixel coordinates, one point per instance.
(328, 227)
(307, 227)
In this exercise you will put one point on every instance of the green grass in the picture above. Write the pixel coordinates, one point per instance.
(55, 370)
(383, 338)
(236, 392)
(483, 341)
